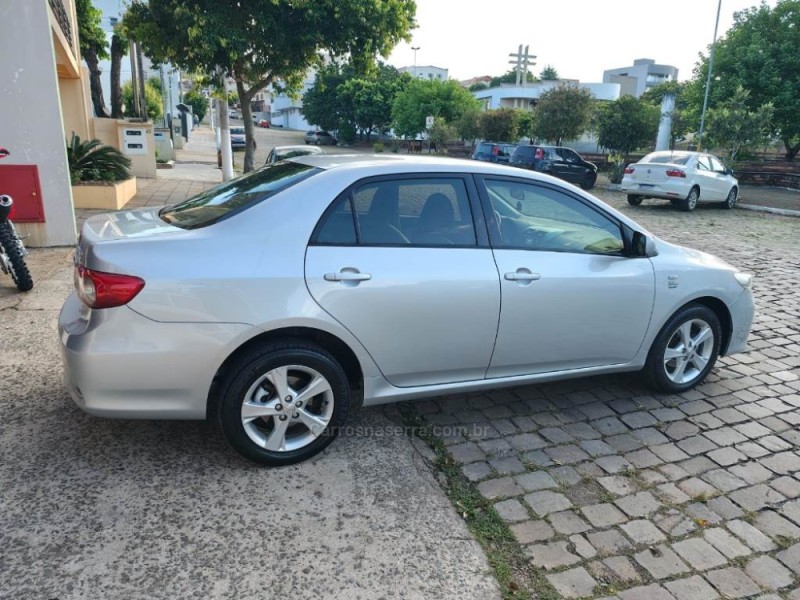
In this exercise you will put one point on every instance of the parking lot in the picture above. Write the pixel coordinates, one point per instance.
(607, 487)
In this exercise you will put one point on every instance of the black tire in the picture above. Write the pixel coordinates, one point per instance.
(689, 203)
(730, 201)
(589, 180)
(19, 270)
(658, 365)
(255, 365)
(635, 200)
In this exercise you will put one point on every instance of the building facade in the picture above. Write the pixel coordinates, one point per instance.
(640, 77)
(426, 72)
(509, 95)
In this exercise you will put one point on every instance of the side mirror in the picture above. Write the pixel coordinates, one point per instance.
(643, 246)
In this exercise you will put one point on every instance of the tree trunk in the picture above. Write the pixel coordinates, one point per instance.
(247, 116)
(94, 83)
(791, 151)
(117, 52)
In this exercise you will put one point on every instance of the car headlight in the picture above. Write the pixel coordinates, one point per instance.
(744, 279)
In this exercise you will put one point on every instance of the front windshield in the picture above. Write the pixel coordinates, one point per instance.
(234, 196)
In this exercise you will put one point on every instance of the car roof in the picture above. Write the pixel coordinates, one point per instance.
(675, 153)
(310, 149)
(394, 163)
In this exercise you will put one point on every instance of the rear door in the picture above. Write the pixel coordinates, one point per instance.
(398, 262)
(571, 299)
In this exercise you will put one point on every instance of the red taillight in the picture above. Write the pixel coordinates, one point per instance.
(105, 290)
(676, 173)
(629, 170)
(539, 154)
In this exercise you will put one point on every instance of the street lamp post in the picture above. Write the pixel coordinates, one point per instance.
(415, 48)
(708, 80)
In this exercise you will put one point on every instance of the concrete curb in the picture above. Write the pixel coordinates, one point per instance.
(784, 212)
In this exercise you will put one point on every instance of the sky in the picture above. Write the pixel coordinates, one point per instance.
(580, 38)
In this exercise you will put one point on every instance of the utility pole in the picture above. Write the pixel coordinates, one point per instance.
(225, 130)
(708, 81)
(415, 48)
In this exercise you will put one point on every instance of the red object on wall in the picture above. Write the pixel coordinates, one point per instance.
(21, 182)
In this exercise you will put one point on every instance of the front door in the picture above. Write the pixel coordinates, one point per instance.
(571, 299)
(397, 262)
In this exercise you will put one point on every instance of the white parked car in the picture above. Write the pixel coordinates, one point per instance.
(683, 178)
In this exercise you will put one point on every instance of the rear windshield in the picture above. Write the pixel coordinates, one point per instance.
(487, 148)
(239, 130)
(668, 159)
(234, 196)
(523, 152)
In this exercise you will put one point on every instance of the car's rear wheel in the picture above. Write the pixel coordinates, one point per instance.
(685, 350)
(284, 403)
(730, 201)
(690, 202)
(635, 200)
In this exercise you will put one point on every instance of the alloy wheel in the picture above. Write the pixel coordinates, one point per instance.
(287, 408)
(688, 351)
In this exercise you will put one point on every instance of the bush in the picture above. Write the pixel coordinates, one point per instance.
(93, 161)
(347, 133)
(616, 168)
(378, 147)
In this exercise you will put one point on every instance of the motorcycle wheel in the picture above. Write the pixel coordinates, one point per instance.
(16, 262)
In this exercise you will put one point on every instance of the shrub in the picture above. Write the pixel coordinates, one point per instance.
(94, 161)
(378, 147)
(616, 168)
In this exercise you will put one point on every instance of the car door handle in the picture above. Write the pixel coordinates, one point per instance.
(522, 275)
(347, 275)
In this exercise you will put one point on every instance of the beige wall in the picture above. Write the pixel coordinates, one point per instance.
(110, 132)
(74, 107)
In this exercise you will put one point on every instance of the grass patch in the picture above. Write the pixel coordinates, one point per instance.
(783, 542)
(517, 578)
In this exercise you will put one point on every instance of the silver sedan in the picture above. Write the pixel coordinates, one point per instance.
(279, 301)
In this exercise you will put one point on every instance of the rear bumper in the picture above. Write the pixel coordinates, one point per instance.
(120, 364)
(677, 190)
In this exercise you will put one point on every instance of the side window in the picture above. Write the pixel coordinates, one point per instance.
(569, 156)
(535, 217)
(418, 212)
(716, 166)
(703, 164)
(339, 227)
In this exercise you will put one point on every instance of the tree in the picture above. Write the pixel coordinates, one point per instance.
(261, 42)
(563, 113)
(93, 47)
(527, 123)
(441, 133)
(626, 124)
(198, 102)
(467, 125)
(549, 73)
(510, 77)
(339, 95)
(478, 86)
(500, 125)
(152, 99)
(732, 126)
(119, 47)
(759, 53)
(429, 97)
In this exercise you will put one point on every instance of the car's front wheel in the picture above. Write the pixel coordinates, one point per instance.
(284, 403)
(634, 200)
(685, 350)
(690, 202)
(730, 201)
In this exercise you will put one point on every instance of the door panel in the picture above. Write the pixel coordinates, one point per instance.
(426, 315)
(582, 310)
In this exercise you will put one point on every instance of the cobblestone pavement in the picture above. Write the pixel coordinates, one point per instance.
(620, 493)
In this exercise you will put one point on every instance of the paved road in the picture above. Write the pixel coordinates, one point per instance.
(621, 493)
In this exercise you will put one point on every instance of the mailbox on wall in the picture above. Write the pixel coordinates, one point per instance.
(134, 141)
(21, 182)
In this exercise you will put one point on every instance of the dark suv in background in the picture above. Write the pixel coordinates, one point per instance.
(497, 152)
(563, 163)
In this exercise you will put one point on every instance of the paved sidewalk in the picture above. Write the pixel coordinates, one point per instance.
(617, 492)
